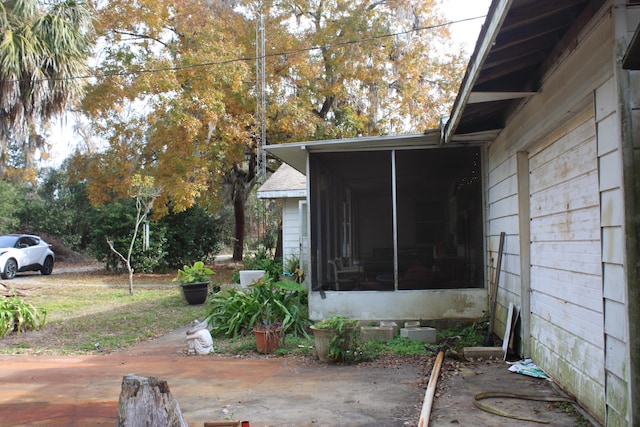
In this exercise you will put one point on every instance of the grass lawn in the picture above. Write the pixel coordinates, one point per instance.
(88, 307)
(80, 316)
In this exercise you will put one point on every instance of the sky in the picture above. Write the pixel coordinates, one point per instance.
(463, 33)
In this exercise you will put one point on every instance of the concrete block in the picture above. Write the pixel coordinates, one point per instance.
(483, 353)
(377, 333)
(390, 324)
(412, 324)
(424, 334)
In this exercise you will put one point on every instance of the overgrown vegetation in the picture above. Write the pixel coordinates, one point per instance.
(234, 311)
(59, 210)
(464, 336)
(19, 316)
(344, 334)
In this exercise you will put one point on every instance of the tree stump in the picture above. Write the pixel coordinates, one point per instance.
(147, 401)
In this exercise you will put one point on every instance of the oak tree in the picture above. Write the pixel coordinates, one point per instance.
(175, 89)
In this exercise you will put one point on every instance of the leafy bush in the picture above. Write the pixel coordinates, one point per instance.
(196, 273)
(262, 261)
(344, 336)
(58, 207)
(18, 316)
(176, 240)
(151, 259)
(193, 235)
(235, 312)
(11, 199)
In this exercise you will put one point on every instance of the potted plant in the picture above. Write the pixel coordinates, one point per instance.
(272, 318)
(267, 334)
(194, 281)
(292, 270)
(336, 338)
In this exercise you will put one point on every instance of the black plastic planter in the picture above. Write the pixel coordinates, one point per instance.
(195, 293)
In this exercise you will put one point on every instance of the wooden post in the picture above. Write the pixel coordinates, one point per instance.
(147, 401)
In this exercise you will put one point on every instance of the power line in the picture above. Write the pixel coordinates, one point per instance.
(245, 59)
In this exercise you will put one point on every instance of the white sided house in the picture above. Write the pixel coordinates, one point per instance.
(290, 187)
(541, 144)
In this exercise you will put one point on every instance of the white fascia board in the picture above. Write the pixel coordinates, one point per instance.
(282, 194)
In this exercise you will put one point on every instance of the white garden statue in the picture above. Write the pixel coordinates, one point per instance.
(199, 339)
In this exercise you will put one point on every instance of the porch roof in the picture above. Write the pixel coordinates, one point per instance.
(295, 153)
(520, 42)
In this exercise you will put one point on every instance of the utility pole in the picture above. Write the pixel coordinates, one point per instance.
(261, 103)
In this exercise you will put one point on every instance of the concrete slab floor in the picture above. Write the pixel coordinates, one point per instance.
(459, 382)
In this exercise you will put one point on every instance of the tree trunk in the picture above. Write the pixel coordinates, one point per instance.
(279, 243)
(238, 214)
(147, 401)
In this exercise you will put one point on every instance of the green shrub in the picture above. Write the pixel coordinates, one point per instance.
(18, 316)
(11, 199)
(235, 312)
(193, 235)
(262, 261)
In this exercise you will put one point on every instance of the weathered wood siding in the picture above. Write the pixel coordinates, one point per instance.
(566, 274)
(617, 106)
(551, 148)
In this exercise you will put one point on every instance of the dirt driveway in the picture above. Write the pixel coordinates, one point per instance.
(267, 391)
(84, 390)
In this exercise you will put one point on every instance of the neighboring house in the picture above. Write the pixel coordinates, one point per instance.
(290, 186)
(541, 144)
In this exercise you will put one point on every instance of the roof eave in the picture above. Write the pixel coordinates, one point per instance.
(495, 17)
(282, 194)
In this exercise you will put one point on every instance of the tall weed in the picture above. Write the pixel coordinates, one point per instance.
(18, 316)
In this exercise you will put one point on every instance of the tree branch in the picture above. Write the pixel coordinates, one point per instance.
(140, 36)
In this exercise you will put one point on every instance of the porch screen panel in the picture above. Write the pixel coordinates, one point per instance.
(352, 232)
(439, 218)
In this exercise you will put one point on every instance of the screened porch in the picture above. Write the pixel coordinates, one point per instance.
(393, 220)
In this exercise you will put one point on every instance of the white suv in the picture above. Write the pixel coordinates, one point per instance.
(24, 252)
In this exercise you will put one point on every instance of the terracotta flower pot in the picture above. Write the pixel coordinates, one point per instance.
(267, 341)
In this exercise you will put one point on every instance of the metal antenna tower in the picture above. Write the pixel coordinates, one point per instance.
(261, 103)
